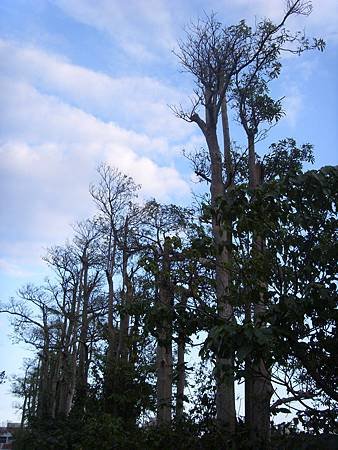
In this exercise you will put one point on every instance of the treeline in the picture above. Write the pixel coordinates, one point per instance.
(249, 270)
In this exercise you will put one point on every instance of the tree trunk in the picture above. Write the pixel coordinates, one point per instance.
(259, 387)
(82, 372)
(110, 325)
(66, 358)
(112, 337)
(164, 359)
(44, 394)
(181, 364)
(180, 376)
(248, 397)
(34, 396)
(61, 375)
(109, 276)
(225, 393)
(227, 143)
(25, 400)
(125, 298)
(133, 349)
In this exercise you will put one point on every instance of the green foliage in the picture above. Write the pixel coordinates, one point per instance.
(296, 272)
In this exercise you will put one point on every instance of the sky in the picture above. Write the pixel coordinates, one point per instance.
(87, 81)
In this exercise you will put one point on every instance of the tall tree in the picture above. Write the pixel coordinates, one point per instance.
(255, 107)
(112, 195)
(159, 237)
(216, 55)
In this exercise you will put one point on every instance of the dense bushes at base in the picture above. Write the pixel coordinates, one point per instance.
(106, 433)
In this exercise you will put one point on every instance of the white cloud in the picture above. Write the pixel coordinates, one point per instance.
(55, 115)
(293, 105)
(136, 102)
(36, 117)
(13, 270)
(49, 152)
(323, 21)
(260, 8)
(142, 28)
(25, 252)
(59, 137)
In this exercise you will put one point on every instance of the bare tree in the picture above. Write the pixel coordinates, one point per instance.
(113, 196)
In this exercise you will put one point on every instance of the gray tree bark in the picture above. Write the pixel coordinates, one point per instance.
(122, 352)
(181, 372)
(225, 394)
(258, 380)
(164, 358)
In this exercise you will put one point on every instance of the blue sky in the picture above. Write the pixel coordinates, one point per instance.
(86, 81)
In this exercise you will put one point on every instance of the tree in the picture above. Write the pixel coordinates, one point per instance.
(113, 195)
(255, 107)
(296, 215)
(161, 237)
(218, 57)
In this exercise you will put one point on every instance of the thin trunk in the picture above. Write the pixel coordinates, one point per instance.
(72, 376)
(66, 359)
(253, 175)
(133, 351)
(261, 381)
(125, 298)
(54, 373)
(110, 325)
(26, 399)
(44, 409)
(61, 371)
(248, 375)
(112, 337)
(124, 327)
(110, 282)
(164, 359)
(34, 401)
(82, 375)
(225, 393)
(30, 409)
(259, 387)
(227, 143)
(180, 376)
(181, 362)
(71, 346)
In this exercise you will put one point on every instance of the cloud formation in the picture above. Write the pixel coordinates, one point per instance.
(59, 119)
(144, 28)
(324, 17)
(137, 102)
(126, 23)
(53, 137)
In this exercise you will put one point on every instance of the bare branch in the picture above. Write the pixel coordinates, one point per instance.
(294, 398)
